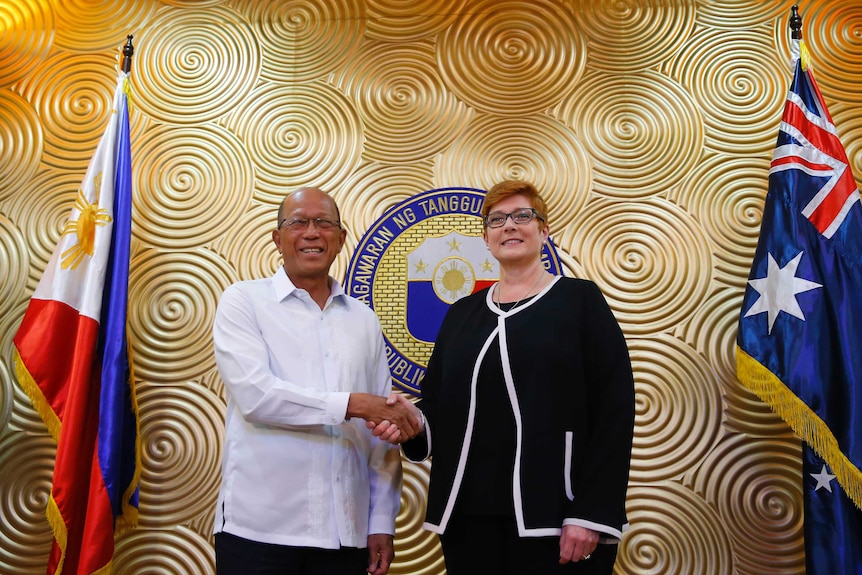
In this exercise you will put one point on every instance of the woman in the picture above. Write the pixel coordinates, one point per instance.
(528, 404)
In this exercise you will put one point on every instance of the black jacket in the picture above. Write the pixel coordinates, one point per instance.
(573, 391)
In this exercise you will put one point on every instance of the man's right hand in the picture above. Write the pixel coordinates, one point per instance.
(393, 419)
(390, 432)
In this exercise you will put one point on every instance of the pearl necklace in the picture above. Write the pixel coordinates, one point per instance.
(498, 291)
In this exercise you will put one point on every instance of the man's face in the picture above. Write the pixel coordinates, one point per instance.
(309, 251)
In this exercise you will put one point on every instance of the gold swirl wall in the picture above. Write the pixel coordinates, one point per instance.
(648, 124)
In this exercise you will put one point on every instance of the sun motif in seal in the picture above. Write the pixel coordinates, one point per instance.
(453, 279)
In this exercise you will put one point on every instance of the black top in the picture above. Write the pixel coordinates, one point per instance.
(543, 393)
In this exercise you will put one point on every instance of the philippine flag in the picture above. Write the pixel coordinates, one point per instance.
(72, 359)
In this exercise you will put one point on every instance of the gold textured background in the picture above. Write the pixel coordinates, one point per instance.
(648, 124)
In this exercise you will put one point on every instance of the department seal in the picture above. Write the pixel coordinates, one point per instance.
(421, 256)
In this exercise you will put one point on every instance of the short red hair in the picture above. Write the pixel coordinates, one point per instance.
(507, 188)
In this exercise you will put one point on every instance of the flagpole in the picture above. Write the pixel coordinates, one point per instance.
(795, 23)
(128, 52)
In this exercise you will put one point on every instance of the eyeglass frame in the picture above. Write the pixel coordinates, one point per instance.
(336, 224)
(533, 211)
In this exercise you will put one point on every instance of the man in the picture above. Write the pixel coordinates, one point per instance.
(306, 488)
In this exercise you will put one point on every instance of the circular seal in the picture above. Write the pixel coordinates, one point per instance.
(453, 279)
(421, 256)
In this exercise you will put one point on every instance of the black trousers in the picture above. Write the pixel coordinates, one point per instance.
(491, 545)
(238, 556)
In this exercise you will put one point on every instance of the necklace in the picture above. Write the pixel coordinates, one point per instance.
(499, 292)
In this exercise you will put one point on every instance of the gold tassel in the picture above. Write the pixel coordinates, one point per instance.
(37, 398)
(802, 420)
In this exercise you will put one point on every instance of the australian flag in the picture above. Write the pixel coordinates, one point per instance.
(800, 330)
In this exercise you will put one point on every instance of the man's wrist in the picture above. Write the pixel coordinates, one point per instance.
(355, 406)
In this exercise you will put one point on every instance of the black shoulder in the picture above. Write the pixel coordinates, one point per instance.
(475, 299)
(579, 286)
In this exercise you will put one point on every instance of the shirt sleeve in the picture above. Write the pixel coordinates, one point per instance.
(243, 361)
(384, 465)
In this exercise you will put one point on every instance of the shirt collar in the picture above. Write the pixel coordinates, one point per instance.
(284, 287)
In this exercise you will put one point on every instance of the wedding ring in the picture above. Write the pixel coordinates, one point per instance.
(587, 556)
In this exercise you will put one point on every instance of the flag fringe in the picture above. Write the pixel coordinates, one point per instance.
(37, 398)
(802, 420)
(130, 512)
(58, 526)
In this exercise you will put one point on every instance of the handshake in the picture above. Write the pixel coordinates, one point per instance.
(394, 419)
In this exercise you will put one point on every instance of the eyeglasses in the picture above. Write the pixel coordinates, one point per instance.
(522, 216)
(301, 224)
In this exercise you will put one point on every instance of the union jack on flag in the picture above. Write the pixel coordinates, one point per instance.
(808, 142)
(801, 321)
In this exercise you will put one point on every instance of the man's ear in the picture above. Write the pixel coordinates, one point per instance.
(276, 239)
(342, 239)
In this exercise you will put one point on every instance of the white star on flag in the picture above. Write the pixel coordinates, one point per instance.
(778, 290)
(823, 478)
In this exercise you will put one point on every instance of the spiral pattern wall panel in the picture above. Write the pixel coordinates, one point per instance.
(644, 32)
(648, 126)
(651, 259)
(407, 112)
(41, 210)
(27, 37)
(181, 552)
(200, 65)
(73, 95)
(249, 252)
(533, 147)
(410, 20)
(81, 23)
(512, 57)
(23, 416)
(20, 143)
(834, 31)
(674, 530)
(177, 205)
(740, 86)
(678, 408)
(182, 431)
(737, 14)
(7, 388)
(26, 464)
(298, 136)
(304, 40)
(726, 196)
(771, 513)
(14, 262)
(373, 188)
(628, 123)
(416, 550)
(712, 330)
(172, 299)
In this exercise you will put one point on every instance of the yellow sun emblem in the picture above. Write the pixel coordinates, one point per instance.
(453, 279)
(84, 227)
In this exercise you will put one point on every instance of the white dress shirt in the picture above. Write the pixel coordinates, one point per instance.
(294, 471)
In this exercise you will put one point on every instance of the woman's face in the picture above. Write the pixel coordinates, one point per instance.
(515, 243)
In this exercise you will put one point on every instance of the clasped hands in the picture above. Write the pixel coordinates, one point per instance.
(394, 419)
